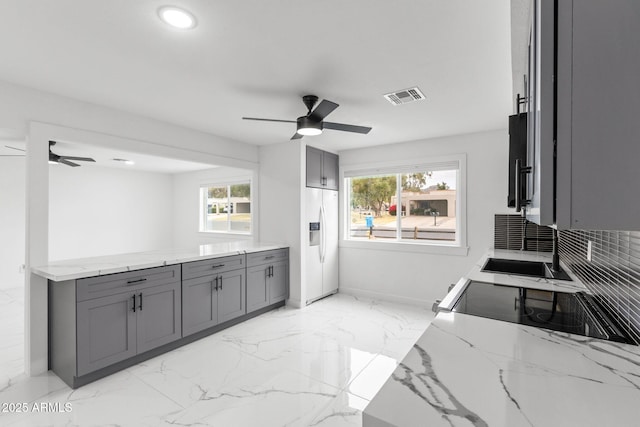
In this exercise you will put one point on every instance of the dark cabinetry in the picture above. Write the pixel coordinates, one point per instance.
(213, 292)
(322, 169)
(583, 109)
(99, 321)
(267, 278)
(99, 325)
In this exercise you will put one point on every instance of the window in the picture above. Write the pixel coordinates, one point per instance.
(417, 204)
(226, 208)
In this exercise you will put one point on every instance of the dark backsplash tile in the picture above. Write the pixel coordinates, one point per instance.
(613, 274)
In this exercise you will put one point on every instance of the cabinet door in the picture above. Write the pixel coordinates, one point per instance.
(279, 282)
(330, 170)
(199, 304)
(314, 167)
(257, 290)
(159, 316)
(106, 330)
(231, 295)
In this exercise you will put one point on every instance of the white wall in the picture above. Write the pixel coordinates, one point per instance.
(186, 205)
(97, 211)
(12, 221)
(281, 206)
(423, 277)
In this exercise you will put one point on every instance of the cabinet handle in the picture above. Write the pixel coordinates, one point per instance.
(134, 302)
(131, 282)
(270, 257)
(324, 181)
(218, 266)
(140, 306)
(220, 277)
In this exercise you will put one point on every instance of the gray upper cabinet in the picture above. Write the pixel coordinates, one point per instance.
(322, 169)
(592, 94)
(215, 295)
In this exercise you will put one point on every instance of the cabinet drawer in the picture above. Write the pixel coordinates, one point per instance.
(212, 266)
(265, 257)
(100, 286)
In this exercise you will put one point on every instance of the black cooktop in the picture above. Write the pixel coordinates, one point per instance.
(575, 313)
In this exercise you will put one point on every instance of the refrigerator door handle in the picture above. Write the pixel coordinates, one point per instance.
(323, 234)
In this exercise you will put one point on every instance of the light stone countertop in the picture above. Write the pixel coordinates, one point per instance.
(97, 266)
(472, 371)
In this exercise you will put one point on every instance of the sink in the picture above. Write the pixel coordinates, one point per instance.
(523, 268)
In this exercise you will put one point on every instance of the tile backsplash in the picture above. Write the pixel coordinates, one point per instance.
(508, 234)
(613, 274)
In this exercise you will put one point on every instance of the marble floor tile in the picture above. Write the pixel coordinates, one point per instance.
(343, 411)
(319, 365)
(372, 377)
(265, 398)
(121, 399)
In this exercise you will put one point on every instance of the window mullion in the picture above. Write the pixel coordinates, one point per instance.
(399, 207)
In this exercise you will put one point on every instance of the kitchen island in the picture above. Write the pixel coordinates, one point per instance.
(469, 370)
(108, 313)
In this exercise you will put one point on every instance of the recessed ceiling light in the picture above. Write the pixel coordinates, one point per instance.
(177, 17)
(125, 161)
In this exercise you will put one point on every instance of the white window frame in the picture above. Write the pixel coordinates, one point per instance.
(203, 207)
(457, 247)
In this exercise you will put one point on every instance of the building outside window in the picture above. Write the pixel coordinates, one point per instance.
(226, 208)
(416, 204)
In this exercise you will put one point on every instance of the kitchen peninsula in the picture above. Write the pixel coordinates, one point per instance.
(107, 313)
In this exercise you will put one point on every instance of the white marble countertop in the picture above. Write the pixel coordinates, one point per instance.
(109, 264)
(467, 370)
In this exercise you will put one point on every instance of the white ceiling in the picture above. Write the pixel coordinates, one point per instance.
(257, 58)
(104, 156)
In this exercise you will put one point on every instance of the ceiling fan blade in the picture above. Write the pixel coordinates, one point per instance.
(68, 163)
(323, 110)
(268, 120)
(346, 128)
(14, 148)
(82, 159)
(296, 136)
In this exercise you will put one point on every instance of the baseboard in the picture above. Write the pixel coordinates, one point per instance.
(294, 303)
(385, 297)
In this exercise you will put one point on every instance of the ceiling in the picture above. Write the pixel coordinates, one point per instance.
(257, 58)
(104, 156)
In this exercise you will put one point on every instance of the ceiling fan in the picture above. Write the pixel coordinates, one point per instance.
(55, 158)
(313, 123)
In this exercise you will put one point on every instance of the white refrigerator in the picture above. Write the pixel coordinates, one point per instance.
(322, 244)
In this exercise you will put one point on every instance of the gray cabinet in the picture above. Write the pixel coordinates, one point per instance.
(117, 327)
(267, 278)
(99, 325)
(322, 169)
(106, 332)
(214, 293)
(99, 321)
(583, 111)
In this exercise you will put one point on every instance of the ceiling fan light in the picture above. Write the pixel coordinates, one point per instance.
(53, 162)
(309, 131)
(308, 127)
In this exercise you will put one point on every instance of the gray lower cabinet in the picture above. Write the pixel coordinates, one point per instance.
(117, 327)
(99, 325)
(267, 278)
(212, 299)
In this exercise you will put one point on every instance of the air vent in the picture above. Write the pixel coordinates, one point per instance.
(404, 96)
